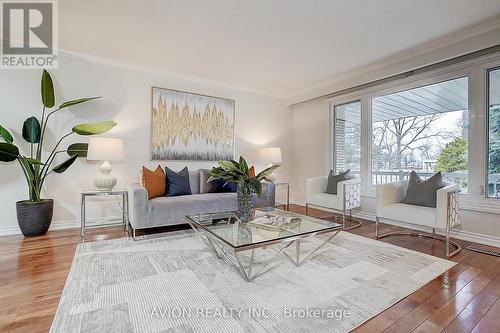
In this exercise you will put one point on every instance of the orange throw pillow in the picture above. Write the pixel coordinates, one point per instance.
(154, 182)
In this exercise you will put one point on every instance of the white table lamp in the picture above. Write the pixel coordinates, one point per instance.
(106, 150)
(270, 155)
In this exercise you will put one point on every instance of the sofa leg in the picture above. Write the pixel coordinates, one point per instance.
(307, 209)
(377, 222)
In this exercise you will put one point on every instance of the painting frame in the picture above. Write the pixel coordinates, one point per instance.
(230, 152)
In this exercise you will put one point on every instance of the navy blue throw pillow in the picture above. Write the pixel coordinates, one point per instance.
(218, 186)
(177, 182)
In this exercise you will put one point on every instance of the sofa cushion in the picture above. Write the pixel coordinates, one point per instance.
(194, 181)
(333, 180)
(419, 215)
(173, 210)
(177, 182)
(154, 182)
(423, 192)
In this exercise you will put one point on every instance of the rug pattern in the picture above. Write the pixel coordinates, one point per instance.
(175, 284)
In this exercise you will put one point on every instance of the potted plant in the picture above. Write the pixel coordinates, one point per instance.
(35, 215)
(247, 183)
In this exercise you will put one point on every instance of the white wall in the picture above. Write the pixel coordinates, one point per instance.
(260, 120)
(310, 143)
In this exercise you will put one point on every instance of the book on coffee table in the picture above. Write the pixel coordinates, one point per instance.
(276, 222)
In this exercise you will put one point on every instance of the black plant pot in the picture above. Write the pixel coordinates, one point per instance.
(34, 218)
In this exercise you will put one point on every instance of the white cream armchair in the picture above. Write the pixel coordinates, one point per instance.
(348, 197)
(444, 216)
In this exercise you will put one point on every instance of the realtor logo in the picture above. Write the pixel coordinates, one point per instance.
(29, 34)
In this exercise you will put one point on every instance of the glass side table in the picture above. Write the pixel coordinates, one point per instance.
(287, 186)
(99, 193)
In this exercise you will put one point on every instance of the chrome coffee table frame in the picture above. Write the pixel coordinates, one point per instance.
(225, 250)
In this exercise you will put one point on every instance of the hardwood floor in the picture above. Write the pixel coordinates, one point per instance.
(464, 299)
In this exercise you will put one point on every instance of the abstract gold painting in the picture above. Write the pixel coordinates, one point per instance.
(188, 126)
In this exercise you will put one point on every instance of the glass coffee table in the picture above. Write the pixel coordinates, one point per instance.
(271, 230)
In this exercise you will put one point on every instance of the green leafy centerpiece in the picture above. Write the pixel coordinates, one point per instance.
(35, 215)
(247, 184)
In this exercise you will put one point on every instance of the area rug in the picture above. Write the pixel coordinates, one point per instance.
(175, 284)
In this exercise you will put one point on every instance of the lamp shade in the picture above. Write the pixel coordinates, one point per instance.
(105, 149)
(270, 155)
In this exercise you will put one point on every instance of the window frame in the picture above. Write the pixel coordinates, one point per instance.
(476, 71)
(487, 131)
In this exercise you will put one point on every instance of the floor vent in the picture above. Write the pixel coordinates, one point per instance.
(481, 250)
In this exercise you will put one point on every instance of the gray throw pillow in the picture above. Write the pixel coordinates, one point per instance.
(204, 186)
(423, 192)
(334, 179)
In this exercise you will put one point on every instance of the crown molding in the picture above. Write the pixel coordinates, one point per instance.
(348, 79)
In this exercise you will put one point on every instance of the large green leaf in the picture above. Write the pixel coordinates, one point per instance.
(8, 152)
(79, 149)
(60, 168)
(215, 173)
(76, 101)
(256, 186)
(243, 165)
(31, 130)
(94, 128)
(230, 166)
(267, 172)
(48, 98)
(6, 134)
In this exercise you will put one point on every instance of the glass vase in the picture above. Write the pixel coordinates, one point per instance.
(244, 203)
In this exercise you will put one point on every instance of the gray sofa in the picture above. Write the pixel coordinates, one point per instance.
(164, 211)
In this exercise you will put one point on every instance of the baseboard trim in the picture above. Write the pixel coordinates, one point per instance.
(459, 234)
(476, 238)
(60, 225)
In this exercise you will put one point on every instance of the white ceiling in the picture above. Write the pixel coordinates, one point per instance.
(278, 47)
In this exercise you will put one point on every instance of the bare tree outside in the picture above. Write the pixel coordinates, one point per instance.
(413, 143)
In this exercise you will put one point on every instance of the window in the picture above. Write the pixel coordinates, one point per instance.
(420, 123)
(424, 129)
(493, 181)
(347, 140)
